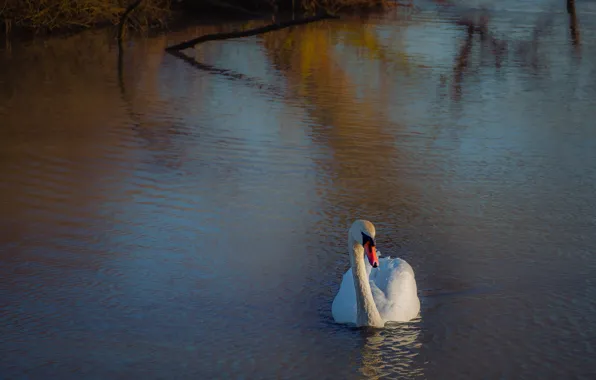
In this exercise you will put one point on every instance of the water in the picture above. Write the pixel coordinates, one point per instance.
(161, 221)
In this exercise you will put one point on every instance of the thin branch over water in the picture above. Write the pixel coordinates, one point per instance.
(124, 19)
(247, 33)
(573, 26)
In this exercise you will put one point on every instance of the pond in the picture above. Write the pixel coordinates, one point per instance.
(163, 220)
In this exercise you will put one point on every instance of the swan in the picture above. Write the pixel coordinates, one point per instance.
(370, 295)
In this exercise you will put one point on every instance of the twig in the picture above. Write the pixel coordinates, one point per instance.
(124, 18)
(570, 6)
(247, 33)
(573, 27)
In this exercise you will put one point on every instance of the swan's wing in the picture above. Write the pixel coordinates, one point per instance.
(379, 279)
(395, 290)
(343, 307)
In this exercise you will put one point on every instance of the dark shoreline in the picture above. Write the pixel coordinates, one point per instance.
(178, 19)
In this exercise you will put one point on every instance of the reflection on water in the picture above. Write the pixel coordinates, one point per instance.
(166, 216)
(391, 352)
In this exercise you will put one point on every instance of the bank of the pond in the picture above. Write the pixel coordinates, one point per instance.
(34, 17)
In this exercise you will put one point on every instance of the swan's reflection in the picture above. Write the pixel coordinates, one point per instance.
(392, 351)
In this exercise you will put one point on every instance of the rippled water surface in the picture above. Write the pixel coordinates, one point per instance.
(162, 220)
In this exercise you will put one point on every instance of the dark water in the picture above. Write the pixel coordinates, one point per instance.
(162, 221)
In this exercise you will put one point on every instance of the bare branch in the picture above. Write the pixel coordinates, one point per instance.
(247, 33)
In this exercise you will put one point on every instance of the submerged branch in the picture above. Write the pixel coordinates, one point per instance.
(228, 74)
(247, 33)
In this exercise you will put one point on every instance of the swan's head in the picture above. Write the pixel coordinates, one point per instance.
(363, 232)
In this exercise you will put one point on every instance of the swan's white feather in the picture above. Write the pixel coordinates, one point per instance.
(394, 290)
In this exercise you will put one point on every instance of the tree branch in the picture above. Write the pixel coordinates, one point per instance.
(247, 33)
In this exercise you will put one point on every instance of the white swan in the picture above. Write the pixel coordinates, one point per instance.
(371, 297)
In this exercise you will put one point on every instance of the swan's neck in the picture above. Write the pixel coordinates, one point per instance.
(367, 312)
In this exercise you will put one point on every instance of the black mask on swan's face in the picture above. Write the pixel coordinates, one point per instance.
(370, 249)
(363, 232)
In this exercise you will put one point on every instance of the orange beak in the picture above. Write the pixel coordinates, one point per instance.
(371, 253)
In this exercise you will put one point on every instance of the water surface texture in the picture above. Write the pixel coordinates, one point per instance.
(162, 220)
